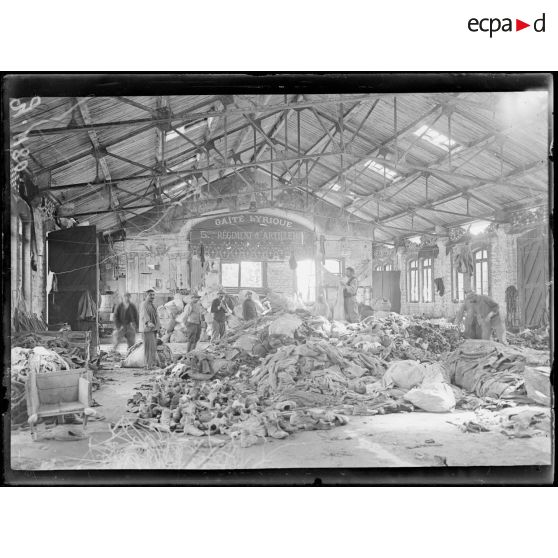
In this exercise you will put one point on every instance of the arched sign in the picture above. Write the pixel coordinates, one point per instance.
(252, 236)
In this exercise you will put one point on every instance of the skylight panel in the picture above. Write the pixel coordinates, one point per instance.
(380, 169)
(184, 130)
(436, 138)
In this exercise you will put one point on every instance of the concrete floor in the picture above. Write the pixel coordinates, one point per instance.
(397, 440)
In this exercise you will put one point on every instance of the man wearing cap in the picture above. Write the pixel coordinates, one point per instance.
(350, 287)
(194, 321)
(249, 309)
(486, 313)
(126, 322)
(149, 326)
(219, 309)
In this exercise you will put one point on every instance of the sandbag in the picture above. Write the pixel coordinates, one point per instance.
(404, 374)
(170, 325)
(285, 325)
(163, 313)
(179, 302)
(434, 373)
(537, 384)
(135, 357)
(432, 397)
(173, 308)
(178, 336)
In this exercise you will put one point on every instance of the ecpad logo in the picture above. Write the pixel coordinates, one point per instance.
(494, 24)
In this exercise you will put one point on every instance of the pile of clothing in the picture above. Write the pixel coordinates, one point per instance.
(72, 354)
(291, 371)
(487, 369)
(538, 339)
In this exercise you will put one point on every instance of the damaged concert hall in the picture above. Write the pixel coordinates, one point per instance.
(261, 280)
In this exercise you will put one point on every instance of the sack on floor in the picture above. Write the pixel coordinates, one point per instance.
(432, 397)
(178, 336)
(537, 384)
(405, 374)
(135, 357)
(166, 317)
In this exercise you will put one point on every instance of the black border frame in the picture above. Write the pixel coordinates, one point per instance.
(216, 83)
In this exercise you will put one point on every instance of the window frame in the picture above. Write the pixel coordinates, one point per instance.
(384, 267)
(239, 285)
(340, 266)
(410, 270)
(237, 264)
(486, 280)
(424, 268)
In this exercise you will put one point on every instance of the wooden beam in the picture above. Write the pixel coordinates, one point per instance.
(449, 197)
(378, 146)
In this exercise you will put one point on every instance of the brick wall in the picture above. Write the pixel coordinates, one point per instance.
(280, 278)
(502, 272)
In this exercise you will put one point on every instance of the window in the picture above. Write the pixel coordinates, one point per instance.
(458, 292)
(420, 283)
(243, 275)
(426, 280)
(386, 267)
(436, 138)
(185, 129)
(333, 266)
(380, 169)
(480, 276)
(251, 274)
(229, 274)
(413, 293)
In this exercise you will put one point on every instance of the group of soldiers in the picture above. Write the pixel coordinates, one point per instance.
(128, 321)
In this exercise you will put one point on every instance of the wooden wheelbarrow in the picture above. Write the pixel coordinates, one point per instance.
(58, 394)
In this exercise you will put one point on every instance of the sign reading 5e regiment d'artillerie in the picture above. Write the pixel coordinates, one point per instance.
(263, 237)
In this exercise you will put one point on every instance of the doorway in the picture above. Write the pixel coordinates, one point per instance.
(532, 275)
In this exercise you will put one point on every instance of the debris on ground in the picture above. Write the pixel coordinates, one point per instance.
(514, 423)
(531, 338)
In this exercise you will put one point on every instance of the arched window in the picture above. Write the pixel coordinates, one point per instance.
(427, 280)
(413, 283)
(480, 275)
(388, 267)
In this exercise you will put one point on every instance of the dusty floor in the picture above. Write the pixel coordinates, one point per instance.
(396, 440)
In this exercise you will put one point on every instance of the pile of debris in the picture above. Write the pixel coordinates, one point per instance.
(538, 339)
(290, 371)
(74, 356)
